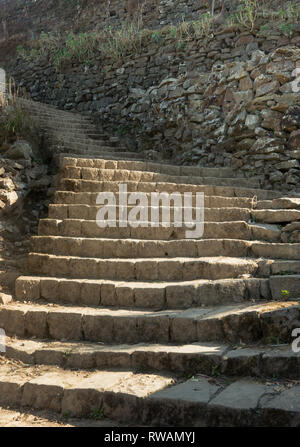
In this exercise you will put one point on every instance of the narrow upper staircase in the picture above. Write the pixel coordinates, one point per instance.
(143, 325)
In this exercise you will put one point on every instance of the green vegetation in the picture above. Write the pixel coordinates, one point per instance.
(14, 122)
(285, 294)
(130, 38)
(97, 414)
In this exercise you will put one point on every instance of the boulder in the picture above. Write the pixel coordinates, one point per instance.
(19, 150)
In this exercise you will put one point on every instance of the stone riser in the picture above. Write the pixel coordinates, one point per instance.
(143, 176)
(149, 166)
(159, 295)
(90, 229)
(173, 406)
(210, 201)
(107, 152)
(140, 269)
(265, 323)
(90, 212)
(114, 248)
(94, 186)
(197, 358)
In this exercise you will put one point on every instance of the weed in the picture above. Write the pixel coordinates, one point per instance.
(97, 414)
(181, 45)
(285, 294)
(66, 415)
(215, 370)
(14, 122)
(288, 29)
(246, 13)
(157, 37)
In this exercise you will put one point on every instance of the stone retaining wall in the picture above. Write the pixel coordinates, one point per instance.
(227, 99)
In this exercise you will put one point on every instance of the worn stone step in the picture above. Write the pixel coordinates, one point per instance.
(82, 139)
(94, 147)
(152, 295)
(73, 134)
(265, 232)
(273, 250)
(108, 152)
(141, 166)
(61, 122)
(196, 358)
(88, 212)
(287, 286)
(90, 228)
(122, 175)
(269, 322)
(153, 399)
(282, 267)
(22, 417)
(276, 216)
(80, 129)
(280, 203)
(210, 201)
(77, 185)
(48, 108)
(131, 248)
(134, 248)
(142, 268)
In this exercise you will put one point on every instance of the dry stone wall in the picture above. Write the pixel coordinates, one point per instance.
(230, 100)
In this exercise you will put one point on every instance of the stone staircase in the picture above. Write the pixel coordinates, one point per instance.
(73, 133)
(143, 326)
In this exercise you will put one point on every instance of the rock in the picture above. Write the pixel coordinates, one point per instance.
(5, 299)
(289, 164)
(286, 202)
(19, 150)
(267, 88)
(294, 140)
(252, 121)
(8, 197)
(291, 119)
(292, 226)
(7, 184)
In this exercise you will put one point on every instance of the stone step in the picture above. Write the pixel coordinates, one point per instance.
(141, 166)
(90, 229)
(48, 108)
(55, 114)
(182, 268)
(196, 358)
(80, 129)
(285, 286)
(122, 175)
(86, 140)
(62, 123)
(150, 399)
(268, 322)
(282, 267)
(68, 122)
(88, 212)
(210, 201)
(134, 248)
(280, 203)
(139, 156)
(276, 216)
(37, 418)
(76, 185)
(150, 295)
(108, 152)
(73, 134)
